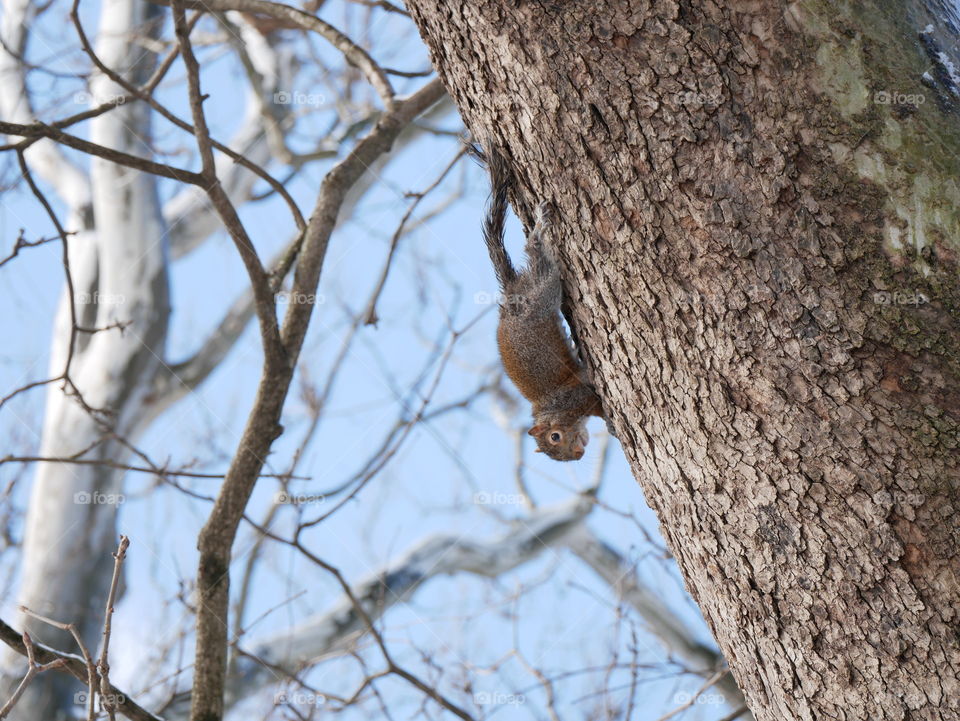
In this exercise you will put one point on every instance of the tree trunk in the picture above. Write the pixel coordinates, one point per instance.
(756, 217)
(119, 274)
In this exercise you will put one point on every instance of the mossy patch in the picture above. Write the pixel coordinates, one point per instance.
(891, 133)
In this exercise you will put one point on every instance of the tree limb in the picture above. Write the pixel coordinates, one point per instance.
(36, 130)
(263, 424)
(353, 53)
(69, 181)
(334, 631)
(76, 667)
(259, 280)
(673, 633)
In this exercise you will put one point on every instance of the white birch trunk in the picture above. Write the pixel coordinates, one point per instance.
(119, 273)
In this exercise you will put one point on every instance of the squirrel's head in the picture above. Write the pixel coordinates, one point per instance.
(561, 441)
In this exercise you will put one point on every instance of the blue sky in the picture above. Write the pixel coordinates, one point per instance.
(566, 616)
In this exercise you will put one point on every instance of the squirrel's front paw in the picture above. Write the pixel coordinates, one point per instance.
(610, 428)
(544, 213)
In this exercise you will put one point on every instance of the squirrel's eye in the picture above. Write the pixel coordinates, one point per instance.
(555, 437)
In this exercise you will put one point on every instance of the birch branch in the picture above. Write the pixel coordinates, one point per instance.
(335, 631)
(295, 17)
(673, 632)
(51, 164)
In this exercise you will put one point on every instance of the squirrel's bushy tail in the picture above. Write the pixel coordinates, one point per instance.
(501, 179)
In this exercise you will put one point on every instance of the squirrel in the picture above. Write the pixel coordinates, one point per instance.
(537, 355)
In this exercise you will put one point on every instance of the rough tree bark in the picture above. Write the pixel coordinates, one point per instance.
(761, 252)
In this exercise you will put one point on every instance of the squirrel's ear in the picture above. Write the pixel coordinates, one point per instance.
(535, 430)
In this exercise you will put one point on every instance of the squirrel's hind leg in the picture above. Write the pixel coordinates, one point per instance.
(540, 259)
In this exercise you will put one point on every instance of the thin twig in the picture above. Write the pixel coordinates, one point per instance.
(377, 637)
(259, 279)
(22, 242)
(353, 53)
(103, 665)
(69, 387)
(371, 317)
(33, 669)
(76, 667)
(155, 470)
(87, 658)
(146, 95)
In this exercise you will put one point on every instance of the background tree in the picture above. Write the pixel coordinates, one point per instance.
(758, 205)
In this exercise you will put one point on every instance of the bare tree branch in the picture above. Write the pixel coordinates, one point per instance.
(694, 696)
(174, 381)
(103, 663)
(217, 536)
(259, 280)
(353, 53)
(107, 463)
(334, 631)
(88, 663)
(663, 623)
(33, 131)
(145, 94)
(70, 183)
(33, 669)
(76, 667)
(370, 316)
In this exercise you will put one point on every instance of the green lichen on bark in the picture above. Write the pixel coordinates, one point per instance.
(899, 136)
